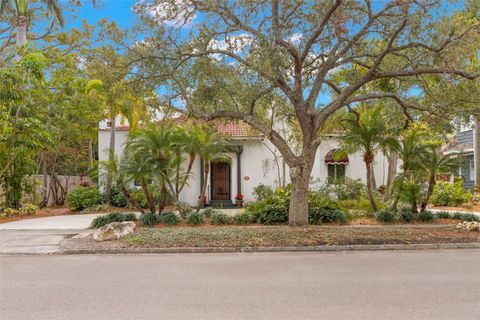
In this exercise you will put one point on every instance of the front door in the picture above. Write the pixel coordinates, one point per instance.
(220, 181)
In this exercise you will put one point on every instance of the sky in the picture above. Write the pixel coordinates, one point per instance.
(117, 10)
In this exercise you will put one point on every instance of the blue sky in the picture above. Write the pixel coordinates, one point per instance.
(116, 10)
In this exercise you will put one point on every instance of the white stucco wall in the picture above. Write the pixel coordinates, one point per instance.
(253, 172)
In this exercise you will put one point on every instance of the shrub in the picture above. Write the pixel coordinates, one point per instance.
(470, 217)
(444, 215)
(262, 191)
(118, 199)
(100, 221)
(273, 209)
(385, 216)
(447, 194)
(457, 215)
(183, 208)
(169, 218)
(221, 218)
(426, 216)
(319, 215)
(28, 209)
(243, 218)
(208, 212)
(83, 197)
(10, 212)
(362, 204)
(148, 219)
(195, 218)
(343, 189)
(406, 216)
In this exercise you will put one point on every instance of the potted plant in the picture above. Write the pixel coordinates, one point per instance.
(239, 199)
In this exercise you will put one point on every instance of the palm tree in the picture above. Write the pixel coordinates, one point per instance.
(432, 161)
(21, 11)
(369, 133)
(151, 147)
(209, 145)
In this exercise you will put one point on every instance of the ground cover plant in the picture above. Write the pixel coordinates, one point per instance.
(102, 220)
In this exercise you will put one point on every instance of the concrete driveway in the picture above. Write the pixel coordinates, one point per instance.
(387, 285)
(41, 235)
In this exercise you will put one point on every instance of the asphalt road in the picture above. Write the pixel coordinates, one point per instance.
(439, 284)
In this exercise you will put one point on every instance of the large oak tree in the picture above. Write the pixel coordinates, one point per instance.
(221, 59)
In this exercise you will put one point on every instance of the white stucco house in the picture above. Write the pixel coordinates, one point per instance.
(253, 160)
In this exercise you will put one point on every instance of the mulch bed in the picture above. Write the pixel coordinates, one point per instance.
(276, 236)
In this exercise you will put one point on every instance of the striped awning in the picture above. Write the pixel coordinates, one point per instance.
(336, 156)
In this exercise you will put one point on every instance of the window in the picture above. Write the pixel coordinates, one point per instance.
(472, 170)
(336, 171)
(109, 124)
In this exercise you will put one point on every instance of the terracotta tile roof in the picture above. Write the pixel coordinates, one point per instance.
(231, 128)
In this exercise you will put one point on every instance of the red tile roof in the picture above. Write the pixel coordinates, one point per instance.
(232, 128)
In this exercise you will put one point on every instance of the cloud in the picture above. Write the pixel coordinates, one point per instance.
(177, 13)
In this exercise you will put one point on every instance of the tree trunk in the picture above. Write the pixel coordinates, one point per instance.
(189, 169)
(476, 148)
(130, 199)
(163, 198)
(90, 153)
(371, 196)
(202, 198)
(398, 194)
(148, 195)
(111, 157)
(45, 179)
(21, 28)
(373, 181)
(431, 187)
(392, 172)
(298, 210)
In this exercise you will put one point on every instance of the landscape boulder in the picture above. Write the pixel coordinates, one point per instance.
(469, 226)
(114, 230)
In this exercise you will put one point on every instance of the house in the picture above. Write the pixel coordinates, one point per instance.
(463, 144)
(253, 160)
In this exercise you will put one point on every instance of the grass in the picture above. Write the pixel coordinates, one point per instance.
(264, 236)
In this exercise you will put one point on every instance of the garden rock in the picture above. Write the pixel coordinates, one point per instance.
(114, 230)
(469, 226)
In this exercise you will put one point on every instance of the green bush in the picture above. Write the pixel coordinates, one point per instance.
(343, 189)
(271, 210)
(323, 209)
(470, 217)
(426, 216)
(262, 191)
(457, 215)
(118, 199)
(362, 204)
(83, 197)
(221, 218)
(10, 212)
(208, 212)
(406, 216)
(444, 215)
(385, 216)
(100, 221)
(183, 208)
(319, 215)
(169, 218)
(97, 208)
(448, 194)
(28, 209)
(243, 218)
(195, 218)
(149, 219)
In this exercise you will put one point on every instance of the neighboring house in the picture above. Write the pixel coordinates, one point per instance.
(463, 144)
(253, 160)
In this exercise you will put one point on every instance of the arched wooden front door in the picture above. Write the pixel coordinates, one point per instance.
(220, 181)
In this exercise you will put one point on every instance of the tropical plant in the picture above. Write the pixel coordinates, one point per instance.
(149, 219)
(450, 194)
(386, 215)
(368, 131)
(195, 218)
(168, 218)
(221, 218)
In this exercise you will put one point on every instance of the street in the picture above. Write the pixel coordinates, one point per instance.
(439, 284)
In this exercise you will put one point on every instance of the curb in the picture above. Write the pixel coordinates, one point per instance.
(441, 246)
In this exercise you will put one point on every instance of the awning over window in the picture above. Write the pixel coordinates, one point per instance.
(336, 156)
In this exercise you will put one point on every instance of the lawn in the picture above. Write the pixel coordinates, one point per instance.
(271, 236)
